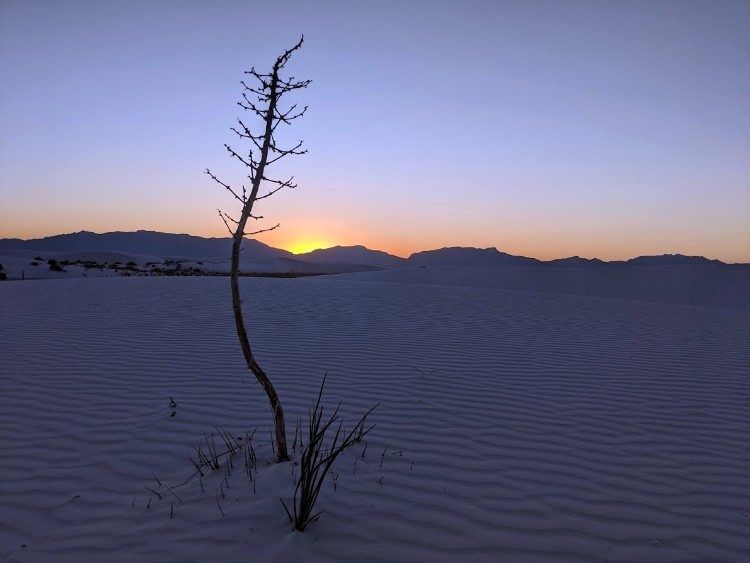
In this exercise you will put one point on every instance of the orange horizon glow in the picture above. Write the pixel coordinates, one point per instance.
(599, 133)
(301, 236)
(306, 244)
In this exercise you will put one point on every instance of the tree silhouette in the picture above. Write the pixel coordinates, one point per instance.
(262, 100)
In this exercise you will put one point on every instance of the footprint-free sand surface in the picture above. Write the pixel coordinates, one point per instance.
(513, 425)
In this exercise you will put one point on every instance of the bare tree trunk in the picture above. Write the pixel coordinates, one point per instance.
(269, 90)
(239, 321)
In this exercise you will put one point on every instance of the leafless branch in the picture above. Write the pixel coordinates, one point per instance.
(227, 186)
(276, 226)
(280, 185)
(252, 164)
(286, 55)
(250, 106)
(285, 152)
(287, 117)
(221, 214)
(247, 134)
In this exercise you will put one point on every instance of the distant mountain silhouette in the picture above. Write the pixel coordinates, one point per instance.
(169, 245)
(463, 256)
(670, 260)
(352, 255)
(469, 256)
(152, 243)
(576, 261)
(660, 260)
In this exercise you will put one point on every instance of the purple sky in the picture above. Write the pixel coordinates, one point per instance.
(605, 129)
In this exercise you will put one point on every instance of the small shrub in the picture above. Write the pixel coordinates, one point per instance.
(54, 265)
(34, 263)
(318, 458)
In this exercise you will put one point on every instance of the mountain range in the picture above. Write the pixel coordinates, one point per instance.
(183, 246)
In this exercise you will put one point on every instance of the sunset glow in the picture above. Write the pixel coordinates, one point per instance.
(590, 129)
(306, 245)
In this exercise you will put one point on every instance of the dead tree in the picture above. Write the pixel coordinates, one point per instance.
(261, 99)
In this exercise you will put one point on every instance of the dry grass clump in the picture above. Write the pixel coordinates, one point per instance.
(318, 456)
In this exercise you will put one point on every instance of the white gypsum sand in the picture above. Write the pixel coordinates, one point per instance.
(532, 426)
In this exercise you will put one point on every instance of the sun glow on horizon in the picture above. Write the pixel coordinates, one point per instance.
(306, 245)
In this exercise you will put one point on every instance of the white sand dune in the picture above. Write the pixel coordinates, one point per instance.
(531, 426)
(18, 264)
(281, 264)
(711, 285)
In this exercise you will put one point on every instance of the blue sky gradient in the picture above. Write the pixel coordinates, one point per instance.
(549, 129)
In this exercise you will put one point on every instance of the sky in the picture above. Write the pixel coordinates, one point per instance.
(543, 128)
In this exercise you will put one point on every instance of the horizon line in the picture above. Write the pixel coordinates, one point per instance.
(374, 249)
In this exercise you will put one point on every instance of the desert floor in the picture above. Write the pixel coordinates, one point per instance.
(513, 425)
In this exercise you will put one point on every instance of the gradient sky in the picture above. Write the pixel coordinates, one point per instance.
(548, 129)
